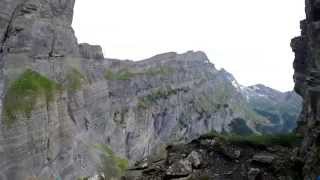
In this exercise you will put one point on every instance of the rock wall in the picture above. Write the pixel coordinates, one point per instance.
(37, 34)
(41, 28)
(307, 69)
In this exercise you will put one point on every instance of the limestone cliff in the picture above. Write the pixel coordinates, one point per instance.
(61, 101)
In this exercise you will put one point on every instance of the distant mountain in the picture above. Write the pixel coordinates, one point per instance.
(281, 109)
(278, 110)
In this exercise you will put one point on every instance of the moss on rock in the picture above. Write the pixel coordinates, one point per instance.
(23, 93)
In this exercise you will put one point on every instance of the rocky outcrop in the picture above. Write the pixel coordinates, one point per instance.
(40, 28)
(91, 51)
(306, 64)
(214, 158)
(34, 35)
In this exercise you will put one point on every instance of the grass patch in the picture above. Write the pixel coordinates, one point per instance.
(23, 93)
(74, 80)
(113, 166)
(125, 74)
(286, 140)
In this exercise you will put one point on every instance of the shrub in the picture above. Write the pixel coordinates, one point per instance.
(23, 93)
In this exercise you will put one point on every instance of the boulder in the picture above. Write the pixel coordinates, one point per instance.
(263, 158)
(195, 159)
(181, 168)
(253, 173)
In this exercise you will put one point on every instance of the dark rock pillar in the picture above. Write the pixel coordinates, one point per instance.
(307, 84)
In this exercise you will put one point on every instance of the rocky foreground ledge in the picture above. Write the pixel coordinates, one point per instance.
(224, 157)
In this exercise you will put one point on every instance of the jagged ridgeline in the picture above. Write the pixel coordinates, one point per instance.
(67, 111)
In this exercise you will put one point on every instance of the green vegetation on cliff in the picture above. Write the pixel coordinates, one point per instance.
(121, 75)
(287, 140)
(158, 71)
(162, 93)
(22, 95)
(112, 165)
(74, 80)
(126, 74)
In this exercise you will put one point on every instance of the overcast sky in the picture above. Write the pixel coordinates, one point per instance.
(249, 38)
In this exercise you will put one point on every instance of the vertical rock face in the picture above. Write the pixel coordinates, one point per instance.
(36, 34)
(307, 79)
(40, 28)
